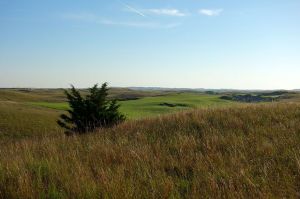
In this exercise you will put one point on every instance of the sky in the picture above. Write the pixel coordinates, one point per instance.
(150, 43)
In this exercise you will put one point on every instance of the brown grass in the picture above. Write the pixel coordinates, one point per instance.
(251, 151)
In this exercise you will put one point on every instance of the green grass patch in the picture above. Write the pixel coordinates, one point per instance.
(53, 105)
(18, 120)
(153, 106)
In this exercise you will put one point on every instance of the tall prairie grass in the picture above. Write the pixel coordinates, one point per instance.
(247, 151)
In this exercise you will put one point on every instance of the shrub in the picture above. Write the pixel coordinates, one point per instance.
(90, 112)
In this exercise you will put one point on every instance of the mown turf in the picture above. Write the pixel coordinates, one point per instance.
(241, 152)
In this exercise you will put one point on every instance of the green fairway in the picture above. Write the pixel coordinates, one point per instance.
(153, 106)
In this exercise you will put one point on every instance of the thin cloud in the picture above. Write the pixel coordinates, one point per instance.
(167, 12)
(131, 24)
(132, 9)
(91, 18)
(151, 25)
(211, 12)
(135, 10)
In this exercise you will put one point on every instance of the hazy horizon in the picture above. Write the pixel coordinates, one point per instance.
(145, 88)
(138, 43)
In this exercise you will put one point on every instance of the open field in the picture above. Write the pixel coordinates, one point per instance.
(197, 146)
(153, 106)
(247, 151)
(34, 113)
(31, 113)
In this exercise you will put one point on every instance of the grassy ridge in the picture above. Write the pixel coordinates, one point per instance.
(247, 151)
(16, 95)
(57, 95)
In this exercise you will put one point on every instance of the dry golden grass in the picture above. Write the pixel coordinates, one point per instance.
(241, 152)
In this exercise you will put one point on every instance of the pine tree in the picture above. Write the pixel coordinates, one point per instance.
(90, 112)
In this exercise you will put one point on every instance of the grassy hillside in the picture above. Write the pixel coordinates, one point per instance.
(246, 151)
(57, 95)
(24, 95)
(18, 121)
(153, 106)
(33, 113)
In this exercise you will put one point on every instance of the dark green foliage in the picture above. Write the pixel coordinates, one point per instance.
(90, 112)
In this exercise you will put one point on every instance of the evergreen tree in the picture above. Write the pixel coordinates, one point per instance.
(90, 112)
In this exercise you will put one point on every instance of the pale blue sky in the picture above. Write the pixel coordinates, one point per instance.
(167, 43)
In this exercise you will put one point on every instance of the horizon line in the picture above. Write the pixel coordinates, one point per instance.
(157, 88)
